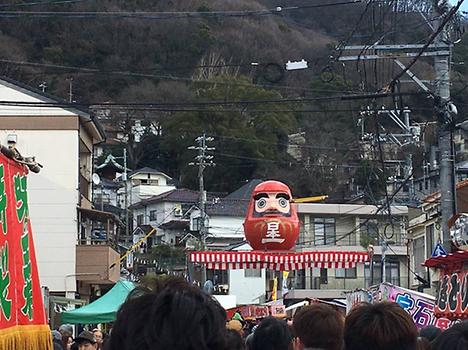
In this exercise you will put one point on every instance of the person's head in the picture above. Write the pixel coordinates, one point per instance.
(235, 325)
(430, 332)
(453, 338)
(86, 341)
(383, 326)
(67, 341)
(98, 335)
(66, 329)
(173, 315)
(423, 344)
(318, 326)
(234, 340)
(272, 334)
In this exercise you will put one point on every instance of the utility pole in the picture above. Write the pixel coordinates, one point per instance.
(446, 164)
(126, 194)
(202, 160)
(70, 90)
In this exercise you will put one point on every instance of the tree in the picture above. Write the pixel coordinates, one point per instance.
(247, 141)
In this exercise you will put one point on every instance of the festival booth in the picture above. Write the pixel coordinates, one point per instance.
(272, 227)
(23, 324)
(102, 310)
(420, 306)
(452, 294)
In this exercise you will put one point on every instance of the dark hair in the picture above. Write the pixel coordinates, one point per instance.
(453, 338)
(272, 334)
(383, 326)
(319, 326)
(423, 344)
(173, 315)
(430, 332)
(234, 341)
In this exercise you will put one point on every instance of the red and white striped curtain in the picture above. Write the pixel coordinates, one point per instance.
(230, 260)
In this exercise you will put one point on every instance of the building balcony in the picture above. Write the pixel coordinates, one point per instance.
(93, 264)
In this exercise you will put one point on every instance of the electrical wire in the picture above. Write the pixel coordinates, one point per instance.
(431, 39)
(40, 3)
(147, 15)
(87, 70)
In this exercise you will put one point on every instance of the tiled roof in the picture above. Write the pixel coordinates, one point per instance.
(227, 207)
(147, 170)
(181, 195)
(244, 191)
(234, 204)
(433, 197)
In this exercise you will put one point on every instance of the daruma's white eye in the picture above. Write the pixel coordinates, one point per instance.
(261, 203)
(283, 202)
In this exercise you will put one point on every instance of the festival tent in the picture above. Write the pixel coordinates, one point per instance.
(103, 309)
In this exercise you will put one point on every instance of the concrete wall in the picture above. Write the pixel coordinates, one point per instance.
(53, 199)
(226, 227)
(247, 290)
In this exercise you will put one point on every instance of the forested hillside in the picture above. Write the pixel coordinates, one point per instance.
(189, 67)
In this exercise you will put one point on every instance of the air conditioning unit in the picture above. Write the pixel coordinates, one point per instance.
(178, 210)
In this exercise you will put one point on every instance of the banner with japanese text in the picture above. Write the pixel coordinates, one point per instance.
(23, 324)
(420, 306)
(452, 297)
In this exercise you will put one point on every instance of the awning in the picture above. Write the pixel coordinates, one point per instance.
(447, 261)
(103, 309)
(230, 260)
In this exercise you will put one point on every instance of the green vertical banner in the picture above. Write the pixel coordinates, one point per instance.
(23, 324)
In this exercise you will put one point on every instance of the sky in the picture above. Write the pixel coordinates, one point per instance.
(464, 6)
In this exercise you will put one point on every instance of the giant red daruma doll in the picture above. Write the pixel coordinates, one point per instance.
(271, 222)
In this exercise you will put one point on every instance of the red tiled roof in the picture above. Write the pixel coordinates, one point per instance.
(433, 197)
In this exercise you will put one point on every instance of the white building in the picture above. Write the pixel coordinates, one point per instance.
(351, 227)
(168, 213)
(62, 140)
(143, 184)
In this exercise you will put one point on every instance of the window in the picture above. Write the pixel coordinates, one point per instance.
(392, 272)
(153, 215)
(325, 231)
(323, 276)
(140, 219)
(346, 273)
(418, 252)
(252, 273)
(429, 240)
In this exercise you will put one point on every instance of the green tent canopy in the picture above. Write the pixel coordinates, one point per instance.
(103, 309)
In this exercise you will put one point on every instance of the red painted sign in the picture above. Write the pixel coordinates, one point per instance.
(271, 222)
(452, 298)
(21, 305)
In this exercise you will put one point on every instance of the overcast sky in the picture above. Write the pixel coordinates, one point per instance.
(464, 6)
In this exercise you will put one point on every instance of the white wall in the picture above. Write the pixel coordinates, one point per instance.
(246, 289)
(9, 94)
(226, 227)
(53, 199)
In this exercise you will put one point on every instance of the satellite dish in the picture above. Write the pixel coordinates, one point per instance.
(96, 179)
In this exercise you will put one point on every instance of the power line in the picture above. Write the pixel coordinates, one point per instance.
(167, 15)
(431, 39)
(141, 74)
(286, 144)
(38, 3)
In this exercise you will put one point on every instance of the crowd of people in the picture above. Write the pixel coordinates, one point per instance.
(86, 340)
(176, 315)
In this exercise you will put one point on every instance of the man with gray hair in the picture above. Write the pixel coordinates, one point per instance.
(66, 329)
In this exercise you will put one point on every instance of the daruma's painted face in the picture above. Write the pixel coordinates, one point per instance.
(271, 222)
(268, 204)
